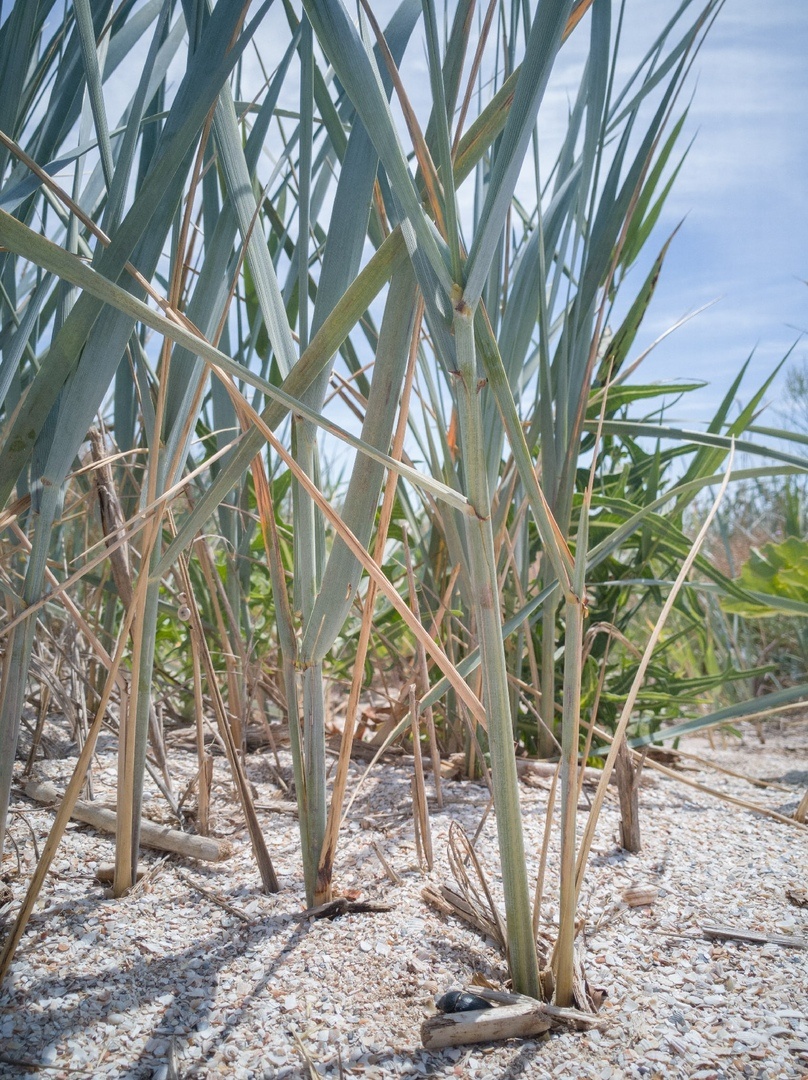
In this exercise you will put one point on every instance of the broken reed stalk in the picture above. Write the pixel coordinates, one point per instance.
(545, 847)
(423, 673)
(628, 789)
(705, 763)
(420, 807)
(218, 600)
(204, 760)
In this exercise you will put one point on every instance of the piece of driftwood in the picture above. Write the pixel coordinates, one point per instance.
(485, 1025)
(753, 937)
(628, 789)
(518, 1017)
(155, 836)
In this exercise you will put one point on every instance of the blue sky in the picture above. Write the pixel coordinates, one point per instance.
(743, 193)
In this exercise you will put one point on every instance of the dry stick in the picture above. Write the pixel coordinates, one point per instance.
(388, 869)
(416, 822)
(152, 835)
(203, 758)
(44, 703)
(262, 858)
(489, 806)
(545, 846)
(68, 802)
(753, 937)
(593, 715)
(215, 592)
(423, 676)
(231, 909)
(707, 764)
(420, 808)
(334, 821)
(625, 716)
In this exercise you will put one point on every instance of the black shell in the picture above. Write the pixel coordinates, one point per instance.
(455, 1001)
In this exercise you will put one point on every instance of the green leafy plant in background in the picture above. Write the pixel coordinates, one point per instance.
(777, 576)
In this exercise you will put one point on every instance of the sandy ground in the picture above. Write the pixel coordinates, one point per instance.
(168, 982)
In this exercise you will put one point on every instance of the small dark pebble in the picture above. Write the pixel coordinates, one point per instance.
(455, 1001)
